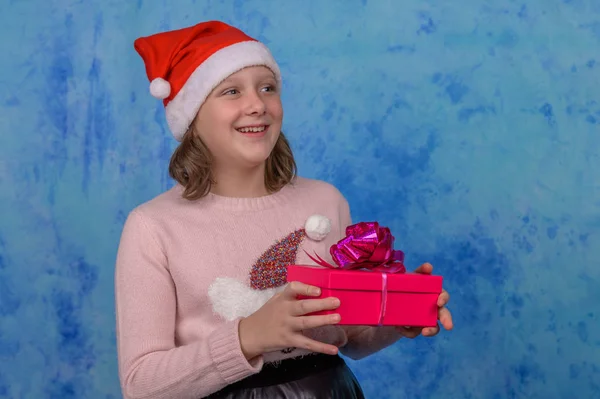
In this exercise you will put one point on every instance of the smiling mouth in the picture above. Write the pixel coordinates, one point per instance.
(253, 129)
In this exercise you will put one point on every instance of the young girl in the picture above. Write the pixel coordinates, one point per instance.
(203, 308)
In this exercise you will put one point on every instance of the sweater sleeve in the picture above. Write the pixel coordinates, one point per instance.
(364, 340)
(150, 364)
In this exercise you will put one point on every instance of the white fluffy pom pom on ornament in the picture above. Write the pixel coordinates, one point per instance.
(160, 88)
(317, 227)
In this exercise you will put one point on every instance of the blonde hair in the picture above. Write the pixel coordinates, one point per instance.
(191, 162)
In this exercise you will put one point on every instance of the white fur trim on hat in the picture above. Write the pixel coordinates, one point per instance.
(160, 88)
(317, 227)
(181, 111)
(232, 298)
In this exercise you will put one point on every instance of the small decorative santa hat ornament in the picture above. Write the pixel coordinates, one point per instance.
(317, 227)
(185, 65)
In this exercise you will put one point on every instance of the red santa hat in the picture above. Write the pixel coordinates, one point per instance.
(185, 65)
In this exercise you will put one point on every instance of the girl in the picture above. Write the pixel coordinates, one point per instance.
(202, 305)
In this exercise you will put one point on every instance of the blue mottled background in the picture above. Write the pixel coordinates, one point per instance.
(471, 128)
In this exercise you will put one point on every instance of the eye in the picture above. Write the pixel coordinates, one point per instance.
(230, 92)
(269, 88)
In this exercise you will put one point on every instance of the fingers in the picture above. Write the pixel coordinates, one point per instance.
(444, 314)
(445, 318)
(425, 268)
(431, 331)
(443, 299)
(309, 322)
(296, 288)
(307, 306)
(409, 332)
(315, 346)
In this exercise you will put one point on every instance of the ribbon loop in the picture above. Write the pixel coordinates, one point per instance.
(366, 246)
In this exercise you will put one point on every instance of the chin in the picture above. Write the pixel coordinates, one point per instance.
(255, 161)
(256, 156)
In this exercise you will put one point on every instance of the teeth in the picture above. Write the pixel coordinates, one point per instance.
(252, 129)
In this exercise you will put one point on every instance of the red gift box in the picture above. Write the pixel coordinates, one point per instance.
(375, 298)
(371, 281)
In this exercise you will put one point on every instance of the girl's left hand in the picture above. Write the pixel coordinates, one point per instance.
(444, 315)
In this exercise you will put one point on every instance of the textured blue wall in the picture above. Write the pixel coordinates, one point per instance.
(471, 128)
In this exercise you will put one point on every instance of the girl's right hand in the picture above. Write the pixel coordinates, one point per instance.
(278, 324)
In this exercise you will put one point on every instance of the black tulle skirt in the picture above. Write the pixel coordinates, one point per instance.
(310, 377)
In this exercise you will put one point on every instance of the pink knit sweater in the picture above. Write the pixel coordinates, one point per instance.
(187, 271)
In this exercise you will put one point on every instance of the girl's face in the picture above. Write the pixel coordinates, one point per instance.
(240, 121)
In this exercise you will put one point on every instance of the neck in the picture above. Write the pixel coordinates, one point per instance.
(246, 183)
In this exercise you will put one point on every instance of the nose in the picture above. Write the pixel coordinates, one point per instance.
(255, 105)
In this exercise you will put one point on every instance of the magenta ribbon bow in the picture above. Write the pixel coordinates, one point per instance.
(367, 246)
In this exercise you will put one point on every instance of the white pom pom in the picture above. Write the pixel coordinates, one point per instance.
(317, 227)
(160, 88)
